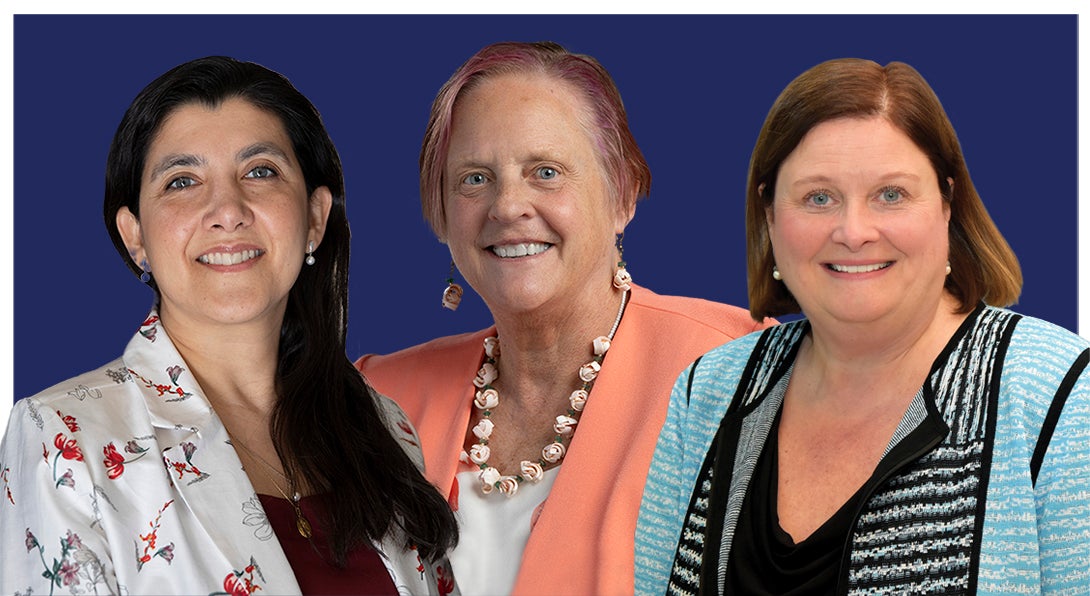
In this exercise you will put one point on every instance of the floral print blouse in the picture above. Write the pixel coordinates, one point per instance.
(122, 480)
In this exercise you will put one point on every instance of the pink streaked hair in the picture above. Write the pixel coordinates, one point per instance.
(627, 175)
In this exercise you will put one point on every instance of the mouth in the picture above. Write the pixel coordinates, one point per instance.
(525, 249)
(858, 268)
(229, 258)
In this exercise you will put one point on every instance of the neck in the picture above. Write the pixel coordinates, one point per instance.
(847, 361)
(235, 364)
(541, 354)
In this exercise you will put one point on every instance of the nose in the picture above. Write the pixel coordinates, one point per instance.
(512, 201)
(857, 225)
(228, 208)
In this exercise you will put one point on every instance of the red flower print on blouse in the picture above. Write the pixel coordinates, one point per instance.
(69, 421)
(68, 447)
(115, 462)
(240, 583)
(445, 582)
(409, 437)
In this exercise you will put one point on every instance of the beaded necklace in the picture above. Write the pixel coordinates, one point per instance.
(487, 398)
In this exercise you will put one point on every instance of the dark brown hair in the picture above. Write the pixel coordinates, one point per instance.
(983, 267)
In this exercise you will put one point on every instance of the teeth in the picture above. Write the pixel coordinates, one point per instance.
(859, 268)
(509, 251)
(228, 258)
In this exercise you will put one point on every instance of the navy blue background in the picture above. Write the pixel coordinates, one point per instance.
(697, 89)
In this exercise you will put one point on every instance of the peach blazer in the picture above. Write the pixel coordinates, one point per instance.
(583, 541)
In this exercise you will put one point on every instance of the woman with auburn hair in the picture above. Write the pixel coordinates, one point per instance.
(540, 438)
(910, 435)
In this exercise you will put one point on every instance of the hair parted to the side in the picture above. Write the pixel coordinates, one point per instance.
(326, 426)
(627, 175)
(983, 266)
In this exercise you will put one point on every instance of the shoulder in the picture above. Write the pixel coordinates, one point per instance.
(90, 384)
(718, 372)
(420, 377)
(1044, 372)
(95, 403)
(1038, 339)
(80, 397)
(1040, 356)
(695, 313)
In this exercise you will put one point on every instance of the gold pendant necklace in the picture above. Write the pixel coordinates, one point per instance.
(301, 523)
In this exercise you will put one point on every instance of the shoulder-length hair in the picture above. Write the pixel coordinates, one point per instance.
(628, 177)
(983, 267)
(325, 425)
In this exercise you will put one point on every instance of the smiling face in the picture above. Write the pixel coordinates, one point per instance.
(224, 215)
(858, 225)
(529, 218)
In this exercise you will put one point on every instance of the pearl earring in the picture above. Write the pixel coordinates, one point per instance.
(776, 273)
(310, 253)
(948, 268)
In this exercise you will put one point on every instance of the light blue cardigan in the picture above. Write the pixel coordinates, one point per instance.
(1035, 536)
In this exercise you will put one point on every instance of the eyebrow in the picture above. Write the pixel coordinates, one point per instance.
(175, 160)
(823, 179)
(262, 149)
(183, 160)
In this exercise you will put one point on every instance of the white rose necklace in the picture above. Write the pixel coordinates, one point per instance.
(487, 398)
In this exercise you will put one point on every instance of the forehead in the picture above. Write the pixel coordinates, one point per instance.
(854, 146)
(234, 120)
(530, 102)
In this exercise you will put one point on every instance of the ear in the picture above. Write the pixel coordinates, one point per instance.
(321, 201)
(946, 204)
(626, 210)
(129, 229)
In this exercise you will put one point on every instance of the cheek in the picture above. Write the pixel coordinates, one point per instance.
(793, 235)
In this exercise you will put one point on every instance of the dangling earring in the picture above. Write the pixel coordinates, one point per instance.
(948, 270)
(452, 295)
(146, 275)
(776, 273)
(622, 279)
(310, 254)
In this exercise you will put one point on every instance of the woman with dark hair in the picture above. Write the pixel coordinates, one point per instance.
(910, 435)
(529, 174)
(240, 449)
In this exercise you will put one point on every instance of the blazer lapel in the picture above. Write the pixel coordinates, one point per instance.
(206, 473)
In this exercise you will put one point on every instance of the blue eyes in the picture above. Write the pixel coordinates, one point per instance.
(542, 173)
(891, 195)
(888, 195)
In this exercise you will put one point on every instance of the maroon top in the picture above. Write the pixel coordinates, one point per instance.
(310, 559)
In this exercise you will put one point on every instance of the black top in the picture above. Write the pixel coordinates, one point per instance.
(763, 557)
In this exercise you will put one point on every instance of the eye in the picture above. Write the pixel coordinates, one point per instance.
(180, 182)
(547, 173)
(474, 179)
(261, 172)
(891, 194)
(819, 198)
